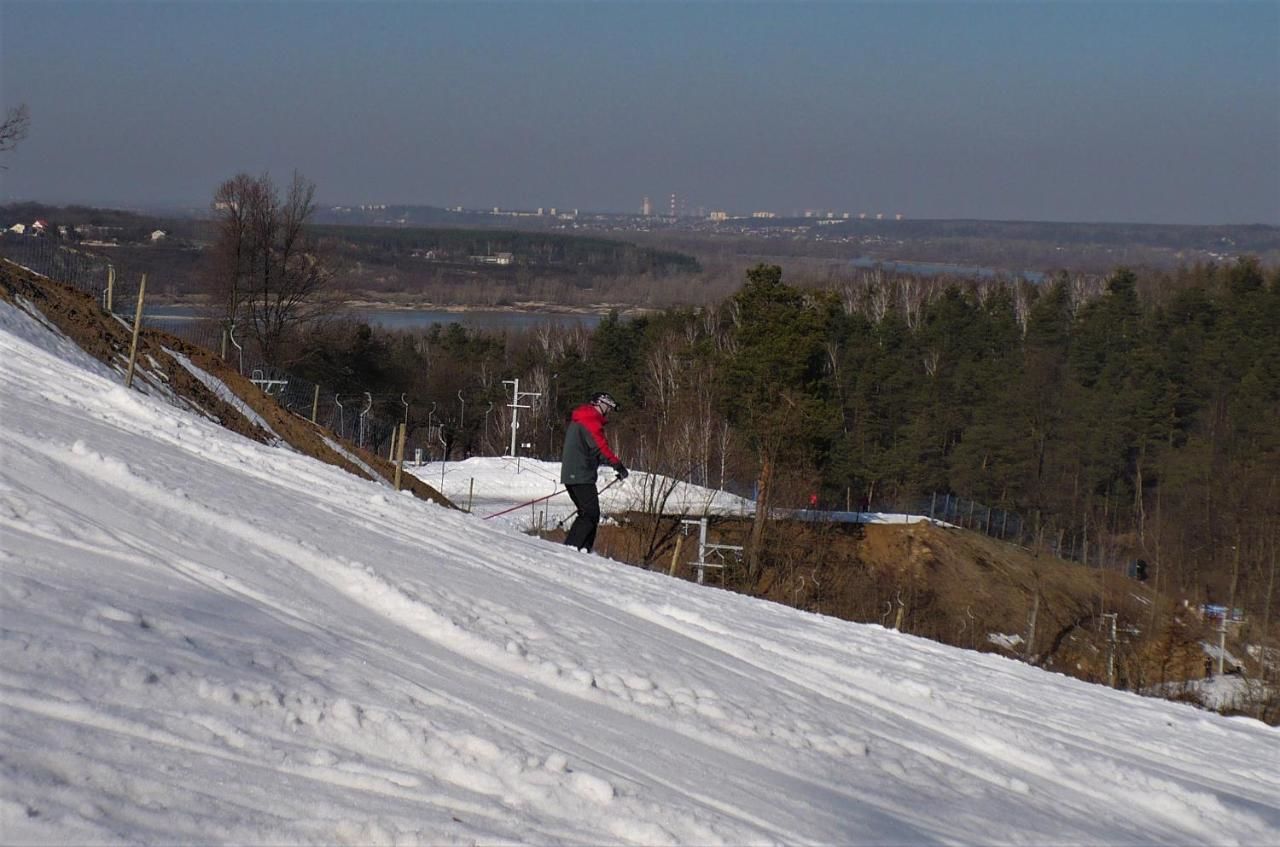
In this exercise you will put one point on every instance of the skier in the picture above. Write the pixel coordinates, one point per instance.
(585, 449)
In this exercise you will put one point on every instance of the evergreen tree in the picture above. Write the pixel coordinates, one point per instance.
(772, 386)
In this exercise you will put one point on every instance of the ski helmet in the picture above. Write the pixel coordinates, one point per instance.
(604, 398)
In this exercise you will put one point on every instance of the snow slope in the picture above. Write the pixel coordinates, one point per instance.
(204, 639)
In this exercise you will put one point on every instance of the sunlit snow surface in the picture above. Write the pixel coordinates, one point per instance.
(208, 640)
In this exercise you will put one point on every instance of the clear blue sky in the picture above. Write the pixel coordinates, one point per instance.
(1095, 111)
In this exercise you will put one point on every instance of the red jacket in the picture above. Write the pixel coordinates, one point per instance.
(585, 447)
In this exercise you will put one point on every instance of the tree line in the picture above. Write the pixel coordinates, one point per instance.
(1142, 412)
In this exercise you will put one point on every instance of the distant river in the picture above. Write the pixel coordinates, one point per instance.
(424, 318)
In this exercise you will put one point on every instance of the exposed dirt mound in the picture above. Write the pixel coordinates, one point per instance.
(106, 338)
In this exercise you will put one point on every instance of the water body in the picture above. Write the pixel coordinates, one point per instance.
(939, 268)
(490, 319)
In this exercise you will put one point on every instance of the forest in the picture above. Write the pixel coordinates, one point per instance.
(1137, 413)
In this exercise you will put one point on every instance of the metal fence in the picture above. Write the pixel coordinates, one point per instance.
(1073, 544)
(351, 416)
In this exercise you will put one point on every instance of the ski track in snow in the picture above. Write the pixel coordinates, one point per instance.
(207, 639)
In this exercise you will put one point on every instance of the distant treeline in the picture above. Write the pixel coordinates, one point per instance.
(566, 253)
(1235, 238)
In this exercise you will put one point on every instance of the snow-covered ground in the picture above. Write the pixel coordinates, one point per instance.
(208, 640)
(527, 493)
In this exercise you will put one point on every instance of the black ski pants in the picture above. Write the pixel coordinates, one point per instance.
(582, 534)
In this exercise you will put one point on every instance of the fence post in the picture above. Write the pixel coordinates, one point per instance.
(933, 501)
(137, 325)
(675, 554)
(315, 404)
(471, 494)
(111, 289)
(1031, 624)
(399, 453)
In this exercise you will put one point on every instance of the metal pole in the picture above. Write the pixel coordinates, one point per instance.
(702, 549)
(515, 413)
(444, 454)
(367, 406)
(231, 333)
(515, 407)
(1222, 643)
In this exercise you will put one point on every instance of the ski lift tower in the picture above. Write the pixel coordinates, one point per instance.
(515, 406)
(705, 549)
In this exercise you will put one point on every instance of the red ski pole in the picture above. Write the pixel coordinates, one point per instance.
(526, 503)
(540, 499)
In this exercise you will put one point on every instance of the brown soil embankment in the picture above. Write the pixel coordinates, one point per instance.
(107, 339)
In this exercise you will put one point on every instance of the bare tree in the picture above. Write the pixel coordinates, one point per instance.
(233, 253)
(268, 268)
(14, 128)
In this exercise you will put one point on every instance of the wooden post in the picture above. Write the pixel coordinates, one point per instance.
(675, 555)
(399, 453)
(111, 287)
(471, 494)
(315, 404)
(1031, 625)
(137, 325)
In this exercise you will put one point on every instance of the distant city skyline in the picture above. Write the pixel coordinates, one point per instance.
(1055, 111)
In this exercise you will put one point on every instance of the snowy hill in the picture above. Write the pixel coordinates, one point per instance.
(206, 639)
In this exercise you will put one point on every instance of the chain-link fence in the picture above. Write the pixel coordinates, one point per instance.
(85, 270)
(1073, 544)
(351, 416)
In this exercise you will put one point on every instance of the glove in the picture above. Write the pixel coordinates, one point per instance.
(621, 471)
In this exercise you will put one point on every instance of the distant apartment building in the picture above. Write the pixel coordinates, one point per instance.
(764, 214)
(719, 216)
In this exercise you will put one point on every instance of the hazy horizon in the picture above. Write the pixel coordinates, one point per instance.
(1126, 112)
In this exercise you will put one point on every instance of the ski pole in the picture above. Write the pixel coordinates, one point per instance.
(526, 503)
(560, 524)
